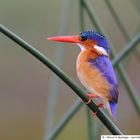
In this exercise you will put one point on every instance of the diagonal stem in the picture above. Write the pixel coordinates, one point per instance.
(120, 25)
(130, 46)
(66, 118)
(117, 20)
(134, 97)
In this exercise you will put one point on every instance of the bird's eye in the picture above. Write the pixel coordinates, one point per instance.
(83, 38)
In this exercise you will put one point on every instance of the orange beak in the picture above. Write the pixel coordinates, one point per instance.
(68, 39)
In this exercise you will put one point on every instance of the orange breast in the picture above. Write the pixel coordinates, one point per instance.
(90, 76)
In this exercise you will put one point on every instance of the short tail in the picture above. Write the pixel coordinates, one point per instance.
(112, 107)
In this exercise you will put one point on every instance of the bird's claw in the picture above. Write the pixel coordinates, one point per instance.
(100, 105)
(90, 97)
(94, 114)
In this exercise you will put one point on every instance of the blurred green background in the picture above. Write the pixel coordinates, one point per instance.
(25, 83)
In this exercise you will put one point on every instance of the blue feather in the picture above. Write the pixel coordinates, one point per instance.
(103, 64)
(99, 38)
(113, 107)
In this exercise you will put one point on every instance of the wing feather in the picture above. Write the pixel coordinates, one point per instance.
(105, 67)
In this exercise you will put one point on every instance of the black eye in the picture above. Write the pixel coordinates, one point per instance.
(83, 38)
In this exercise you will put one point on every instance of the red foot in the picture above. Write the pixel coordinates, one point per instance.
(91, 96)
(94, 114)
(100, 105)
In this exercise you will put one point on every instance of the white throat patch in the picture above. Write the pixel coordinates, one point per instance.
(81, 47)
(100, 50)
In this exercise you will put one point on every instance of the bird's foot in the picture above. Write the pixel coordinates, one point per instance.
(100, 105)
(91, 96)
(94, 114)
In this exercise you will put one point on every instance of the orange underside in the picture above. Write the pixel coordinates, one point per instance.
(91, 77)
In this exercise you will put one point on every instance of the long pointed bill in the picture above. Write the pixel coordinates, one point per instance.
(69, 39)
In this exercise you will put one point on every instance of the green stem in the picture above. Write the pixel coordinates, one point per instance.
(134, 97)
(137, 30)
(89, 9)
(131, 45)
(90, 129)
(82, 94)
(117, 20)
(66, 118)
(120, 25)
(82, 23)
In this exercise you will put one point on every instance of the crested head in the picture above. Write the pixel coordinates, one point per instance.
(91, 41)
(99, 42)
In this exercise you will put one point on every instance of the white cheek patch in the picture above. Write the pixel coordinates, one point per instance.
(100, 50)
(81, 47)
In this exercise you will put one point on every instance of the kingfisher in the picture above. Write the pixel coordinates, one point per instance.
(94, 68)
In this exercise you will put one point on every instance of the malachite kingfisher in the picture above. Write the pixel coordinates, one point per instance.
(94, 68)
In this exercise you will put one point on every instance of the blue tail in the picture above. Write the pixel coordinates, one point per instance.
(113, 107)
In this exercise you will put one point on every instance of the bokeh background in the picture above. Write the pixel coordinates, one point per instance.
(26, 84)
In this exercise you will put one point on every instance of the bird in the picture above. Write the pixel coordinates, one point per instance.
(94, 69)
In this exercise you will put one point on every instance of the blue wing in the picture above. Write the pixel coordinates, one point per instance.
(105, 67)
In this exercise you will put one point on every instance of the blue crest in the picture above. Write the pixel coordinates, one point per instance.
(100, 39)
